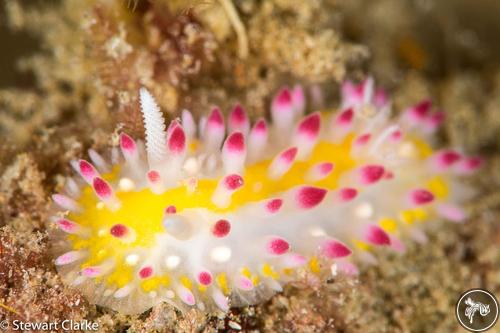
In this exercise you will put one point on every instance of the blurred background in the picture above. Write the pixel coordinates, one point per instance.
(189, 53)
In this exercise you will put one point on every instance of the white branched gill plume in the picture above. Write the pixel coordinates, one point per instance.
(154, 125)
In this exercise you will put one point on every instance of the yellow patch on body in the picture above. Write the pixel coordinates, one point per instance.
(438, 186)
(362, 245)
(388, 224)
(314, 265)
(186, 282)
(268, 271)
(222, 282)
(154, 282)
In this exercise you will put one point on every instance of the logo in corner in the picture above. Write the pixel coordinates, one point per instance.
(477, 310)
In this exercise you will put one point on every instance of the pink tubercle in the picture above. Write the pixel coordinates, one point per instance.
(221, 228)
(421, 197)
(419, 236)
(238, 119)
(381, 99)
(435, 120)
(146, 272)
(282, 109)
(233, 182)
(92, 271)
(293, 260)
(153, 176)
(309, 127)
(450, 157)
(388, 174)
(288, 156)
(67, 258)
(362, 139)
(205, 278)
(220, 300)
(188, 123)
(347, 88)
(177, 141)
(325, 168)
(347, 268)
(67, 225)
(87, 170)
(118, 230)
(320, 171)
(397, 245)
(451, 212)
(215, 119)
(334, 249)
(278, 246)
(60, 199)
(470, 164)
(420, 111)
(274, 205)
(260, 126)
(446, 158)
(102, 188)
(245, 283)
(284, 97)
(396, 136)
(376, 235)
(186, 295)
(65, 202)
(474, 162)
(308, 197)
(352, 93)
(235, 143)
(298, 98)
(345, 117)
(282, 163)
(370, 174)
(127, 144)
(170, 210)
(347, 194)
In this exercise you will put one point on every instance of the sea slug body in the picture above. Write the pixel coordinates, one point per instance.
(224, 213)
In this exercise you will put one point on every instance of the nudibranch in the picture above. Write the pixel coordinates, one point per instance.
(224, 212)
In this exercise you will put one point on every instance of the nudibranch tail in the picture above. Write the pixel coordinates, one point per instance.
(224, 213)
